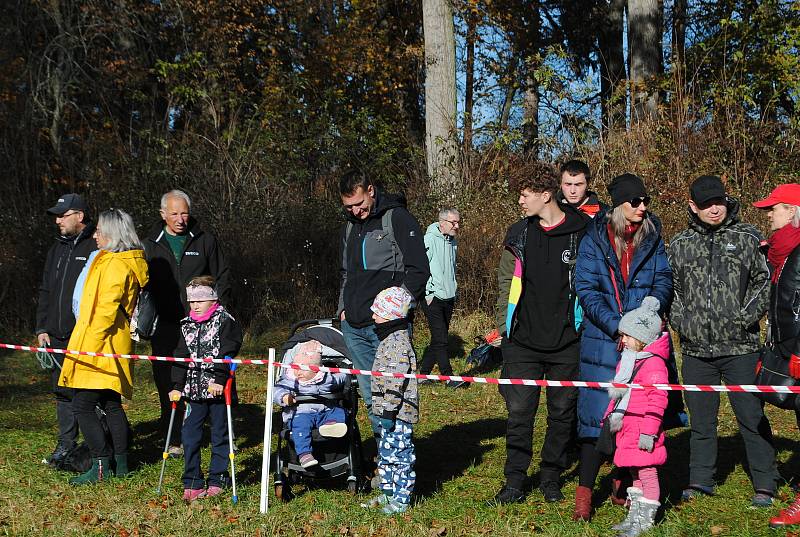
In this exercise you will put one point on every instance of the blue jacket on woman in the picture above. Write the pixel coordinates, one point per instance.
(649, 275)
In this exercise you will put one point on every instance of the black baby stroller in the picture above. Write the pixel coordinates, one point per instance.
(338, 457)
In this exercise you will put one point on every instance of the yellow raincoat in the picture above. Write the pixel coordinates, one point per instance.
(109, 296)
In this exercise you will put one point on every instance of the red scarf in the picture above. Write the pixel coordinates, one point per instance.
(781, 244)
(627, 253)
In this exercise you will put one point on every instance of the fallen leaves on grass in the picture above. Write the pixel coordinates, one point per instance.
(89, 519)
(717, 530)
(437, 531)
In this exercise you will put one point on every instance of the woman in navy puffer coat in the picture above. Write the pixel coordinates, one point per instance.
(611, 281)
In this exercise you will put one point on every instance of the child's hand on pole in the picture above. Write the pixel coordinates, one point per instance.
(174, 395)
(215, 389)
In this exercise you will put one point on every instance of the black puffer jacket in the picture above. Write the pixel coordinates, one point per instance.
(784, 307)
(201, 255)
(721, 283)
(65, 260)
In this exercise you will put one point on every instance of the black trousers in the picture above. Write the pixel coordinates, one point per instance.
(749, 411)
(438, 312)
(522, 403)
(164, 343)
(67, 423)
(110, 402)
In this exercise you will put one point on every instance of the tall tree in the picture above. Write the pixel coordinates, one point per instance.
(440, 93)
(611, 60)
(645, 52)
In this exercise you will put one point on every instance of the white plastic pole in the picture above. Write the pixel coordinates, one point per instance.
(267, 434)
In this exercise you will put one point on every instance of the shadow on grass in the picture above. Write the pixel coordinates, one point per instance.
(149, 436)
(447, 452)
(25, 391)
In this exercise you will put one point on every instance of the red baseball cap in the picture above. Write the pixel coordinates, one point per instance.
(788, 193)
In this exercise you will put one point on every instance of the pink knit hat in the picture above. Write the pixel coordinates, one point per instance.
(392, 303)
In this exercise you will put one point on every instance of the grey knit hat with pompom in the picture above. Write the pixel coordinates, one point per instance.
(643, 323)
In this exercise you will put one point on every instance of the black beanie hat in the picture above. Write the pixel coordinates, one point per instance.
(626, 187)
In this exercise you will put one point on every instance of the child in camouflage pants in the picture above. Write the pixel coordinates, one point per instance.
(394, 401)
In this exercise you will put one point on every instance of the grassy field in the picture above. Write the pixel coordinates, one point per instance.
(460, 451)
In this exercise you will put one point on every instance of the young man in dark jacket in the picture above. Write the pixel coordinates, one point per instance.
(54, 315)
(536, 315)
(177, 250)
(382, 247)
(721, 284)
(575, 177)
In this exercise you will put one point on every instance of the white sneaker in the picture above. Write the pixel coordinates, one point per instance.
(333, 429)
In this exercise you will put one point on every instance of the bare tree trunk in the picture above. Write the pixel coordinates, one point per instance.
(613, 98)
(679, 14)
(469, 89)
(440, 93)
(531, 110)
(511, 91)
(645, 55)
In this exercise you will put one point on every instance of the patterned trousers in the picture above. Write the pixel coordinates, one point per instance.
(396, 460)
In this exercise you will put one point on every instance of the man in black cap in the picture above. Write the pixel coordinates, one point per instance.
(721, 284)
(55, 316)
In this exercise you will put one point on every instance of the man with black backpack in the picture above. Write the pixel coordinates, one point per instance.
(55, 319)
(382, 247)
(177, 250)
(536, 316)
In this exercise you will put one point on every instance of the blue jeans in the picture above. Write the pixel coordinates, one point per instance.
(302, 423)
(363, 344)
(396, 460)
(196, 414)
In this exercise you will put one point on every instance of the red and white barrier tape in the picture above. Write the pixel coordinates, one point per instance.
(478, 380)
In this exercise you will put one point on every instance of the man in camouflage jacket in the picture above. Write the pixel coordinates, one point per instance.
(721, 285)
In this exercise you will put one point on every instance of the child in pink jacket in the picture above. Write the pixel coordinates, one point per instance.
(636, 415)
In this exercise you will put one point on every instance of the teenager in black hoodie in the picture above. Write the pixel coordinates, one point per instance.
(536, 314)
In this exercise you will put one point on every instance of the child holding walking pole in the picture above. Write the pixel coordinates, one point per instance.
(208, 332)
(636, 415)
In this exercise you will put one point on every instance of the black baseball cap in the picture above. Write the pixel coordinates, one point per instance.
(66, 202)
(706, 188)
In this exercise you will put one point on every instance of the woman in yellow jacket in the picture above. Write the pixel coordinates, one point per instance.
(104, 298)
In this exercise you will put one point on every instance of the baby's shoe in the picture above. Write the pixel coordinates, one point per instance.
(333, 429)
(307, 460)
(211, 491)
(192, 494)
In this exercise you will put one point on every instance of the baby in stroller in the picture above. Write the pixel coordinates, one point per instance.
(302, 418)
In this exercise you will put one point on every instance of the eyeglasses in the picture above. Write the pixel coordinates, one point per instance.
(454, 222)
(635, 202)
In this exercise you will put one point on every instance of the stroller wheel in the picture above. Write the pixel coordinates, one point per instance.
(352, 486)
(283, 492)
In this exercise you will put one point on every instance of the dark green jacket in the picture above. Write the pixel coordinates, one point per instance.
(721, 284)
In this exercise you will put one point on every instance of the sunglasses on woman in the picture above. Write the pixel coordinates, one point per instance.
(635, 202)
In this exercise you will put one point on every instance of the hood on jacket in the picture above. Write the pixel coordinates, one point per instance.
(383, 202)
(731, 218)
(660, 347)
(574, 222)
(434, 231)
(136, 263)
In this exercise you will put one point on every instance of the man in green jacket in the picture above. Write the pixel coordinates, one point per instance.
(721, 283)
(440, 291)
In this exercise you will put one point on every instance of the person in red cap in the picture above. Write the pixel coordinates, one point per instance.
(783, 211)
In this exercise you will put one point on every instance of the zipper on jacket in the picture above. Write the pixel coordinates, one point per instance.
(60, 307)
(710, 283)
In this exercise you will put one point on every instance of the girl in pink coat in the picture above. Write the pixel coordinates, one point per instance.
(636, 415)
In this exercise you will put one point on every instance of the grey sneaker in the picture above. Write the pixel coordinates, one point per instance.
(761, 499)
